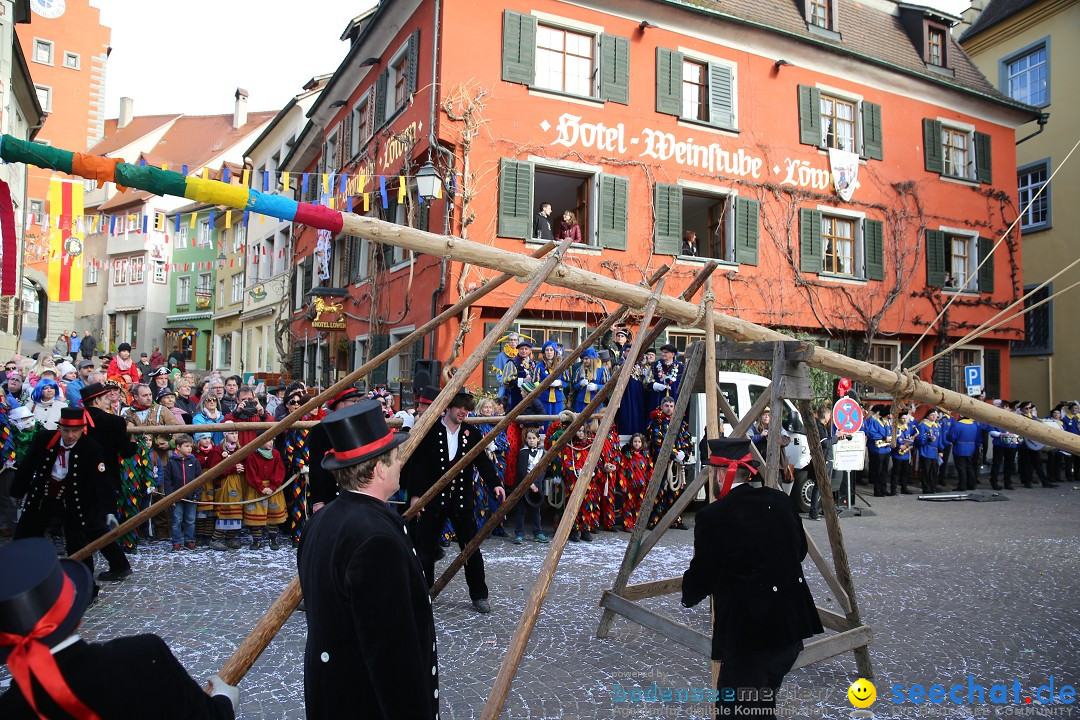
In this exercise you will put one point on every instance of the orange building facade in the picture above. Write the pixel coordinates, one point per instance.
(651, 119)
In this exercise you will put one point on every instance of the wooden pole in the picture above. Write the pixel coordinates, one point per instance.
(836, 537)
(687, 314)
(393, 422)
(773, 459)
(523, 483)
(286, 422)
(501, 688)
(270, 624)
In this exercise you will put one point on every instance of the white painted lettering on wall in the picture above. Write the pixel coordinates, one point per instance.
(571, 132)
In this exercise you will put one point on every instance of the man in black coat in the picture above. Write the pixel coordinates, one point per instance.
(77, 678)
(322, 488)
(371, 636)
(65, 476)
(443, 445)
(107, 430)
(748, 552)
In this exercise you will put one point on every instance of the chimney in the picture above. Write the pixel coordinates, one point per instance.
(239, 118)
(968, 17)
(127, 110)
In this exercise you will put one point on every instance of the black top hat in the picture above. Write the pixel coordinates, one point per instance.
(346, 394)
(427, 394)
(92, 391)
(358, 433)
(605, 355)
(724, 451)
(36, 584)
(72, 417)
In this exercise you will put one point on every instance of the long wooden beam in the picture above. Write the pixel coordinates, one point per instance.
(689, 315)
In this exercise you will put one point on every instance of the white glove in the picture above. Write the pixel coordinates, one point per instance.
(659, 387)
(680, 456)
(591, 387)
(110, 521)
(220, 687)
(305, 470)
(520, 382)
(583, 383)
(557, 383)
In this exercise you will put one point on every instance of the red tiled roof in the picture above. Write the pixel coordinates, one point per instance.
(139, 126)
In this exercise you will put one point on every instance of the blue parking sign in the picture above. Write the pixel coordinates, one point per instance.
(973, 376)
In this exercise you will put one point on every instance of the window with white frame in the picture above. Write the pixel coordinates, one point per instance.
(159, 221)
(564, 60)
(204, 283)
(225, 350)
(961, 253)
(72, 60)
(183, 290)
(841, 243)
(44, 96)
(399, 71)
(120, 271)
(819, 13)
(935, 46)
(961, 358)
(359, 357)
(237, 287)
(708, 217)
(133, 222)
(558, 332)
(221, 293)
(362, 116)
(837, 123)
(885, 355)
(37, 212)
(1034, 211)
(830, 119)
(43, 51)
(838, 243)
(330, 153)
(958, 158)
(1025, 76)
(161, 273)
(239, 236)
(91, 273)
(399, 369)
(138, 269)
(204, 233)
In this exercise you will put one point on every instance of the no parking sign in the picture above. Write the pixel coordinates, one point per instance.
(847, 416)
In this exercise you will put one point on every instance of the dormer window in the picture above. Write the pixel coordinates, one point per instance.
(935, 46)
(820, 13)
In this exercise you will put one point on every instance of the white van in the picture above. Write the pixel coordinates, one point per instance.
(742, 390)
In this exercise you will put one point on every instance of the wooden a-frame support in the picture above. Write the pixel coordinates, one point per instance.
(789, 380)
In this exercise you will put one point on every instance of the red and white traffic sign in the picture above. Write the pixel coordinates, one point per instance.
(847, 416)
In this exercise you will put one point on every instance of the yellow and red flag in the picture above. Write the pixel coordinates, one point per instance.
(65, 241)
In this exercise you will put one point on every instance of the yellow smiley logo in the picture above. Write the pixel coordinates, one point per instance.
(862, 693)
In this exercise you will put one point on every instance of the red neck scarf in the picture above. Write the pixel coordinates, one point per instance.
(732, 467)
(31, 658)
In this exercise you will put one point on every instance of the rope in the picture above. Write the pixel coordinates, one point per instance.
(992, 250)
(982, 329)
(284, 485)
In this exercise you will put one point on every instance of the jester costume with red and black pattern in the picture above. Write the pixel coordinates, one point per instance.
(610, 484)
(658, 427)
(636, 469)
(571, 461)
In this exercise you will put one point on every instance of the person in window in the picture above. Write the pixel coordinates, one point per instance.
(689, 244)
(568, 227)
(542, 223)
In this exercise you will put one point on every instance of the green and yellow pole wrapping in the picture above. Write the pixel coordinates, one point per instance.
(167, 182)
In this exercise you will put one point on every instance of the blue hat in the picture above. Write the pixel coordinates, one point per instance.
(550, 344)
(590, 353)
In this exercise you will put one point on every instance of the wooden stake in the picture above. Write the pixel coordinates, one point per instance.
(501, 688)
(686, 314)
(836, 535)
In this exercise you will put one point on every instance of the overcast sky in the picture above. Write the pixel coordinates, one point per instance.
(190, 56)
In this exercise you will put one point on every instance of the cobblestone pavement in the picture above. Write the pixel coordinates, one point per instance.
(951, 590)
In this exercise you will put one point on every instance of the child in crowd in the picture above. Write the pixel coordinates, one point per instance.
(208, 456)
(571, 461)
(637, 469)
(228, 492)
(528, 458)
(181, 469)
(265, 509)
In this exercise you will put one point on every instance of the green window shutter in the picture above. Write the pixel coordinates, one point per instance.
(871, 128)
(413, 62)
(983, 161)
(933, 153)
(992, 373)
(615, 69)
(986, 272)
(417, 354)
(721, 96)
(809, 115)
(935, 258)
(297, 362)
(913, 360)
(376, 345)
(423, 216)
(614, 211)
(667, 214)
(747, 214)
(874, 249)
(519, 48)
(380, 98)
(942, 376)
(668, 81)
(515, 198)
(810, 240)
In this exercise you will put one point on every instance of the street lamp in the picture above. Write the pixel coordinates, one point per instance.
(427, 181)
(221, 260)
